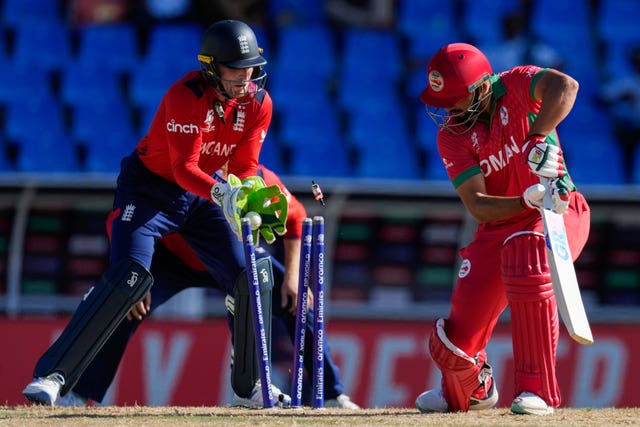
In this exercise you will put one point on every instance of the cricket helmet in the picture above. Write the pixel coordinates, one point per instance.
(456, 71)
(233, 44)
(453, 73)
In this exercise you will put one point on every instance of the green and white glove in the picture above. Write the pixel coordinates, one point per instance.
(533, 197)
(560, 195)
(238, 197)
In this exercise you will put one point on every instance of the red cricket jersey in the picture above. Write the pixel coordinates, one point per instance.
(297, 212)
(494, 148)
(193, 134)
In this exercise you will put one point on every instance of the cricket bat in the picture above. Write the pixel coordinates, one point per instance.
(563, 273)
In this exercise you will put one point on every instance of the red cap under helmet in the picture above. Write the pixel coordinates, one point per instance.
(453, 73)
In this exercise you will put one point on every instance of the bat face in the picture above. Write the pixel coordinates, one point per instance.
(563, 275)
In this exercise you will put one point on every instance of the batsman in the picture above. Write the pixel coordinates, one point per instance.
(217, 115)
(497, 139)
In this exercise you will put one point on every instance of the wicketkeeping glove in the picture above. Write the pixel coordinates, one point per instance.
(237, 197)
(544, 159)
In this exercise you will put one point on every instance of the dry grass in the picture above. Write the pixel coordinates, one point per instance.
(141, 416)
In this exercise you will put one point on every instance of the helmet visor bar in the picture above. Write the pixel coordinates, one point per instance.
(232, 88)
(455, 121)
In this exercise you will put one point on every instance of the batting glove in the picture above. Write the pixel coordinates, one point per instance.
(533, 197)
(560, 195)
(544, 159)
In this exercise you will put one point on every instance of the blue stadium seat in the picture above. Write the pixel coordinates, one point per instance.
(317, 156)
(483, 19)
(175, 45)
(567, 36)
(426, 133)
(271, 153)
(112, 47)
(48, 151)
(26, 119)
(296, 12)
(82, 84)
(617, 20)
(376, 52)
(104, 155)
(365, 126)
(91, 122)
(636, 170)
(20, 81)
(425, 129)
(427, 25)
(306, 51)
(19, 12)
(390, 158)
(413, 85)
(5, 163)
(383, 145)
(556, 21)
(148, 83)
(147, 112)
(366, 92)
(591, 151)
(289, 90)
(46, 45)
(299, 122)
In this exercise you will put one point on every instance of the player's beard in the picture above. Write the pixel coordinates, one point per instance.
(462, 121)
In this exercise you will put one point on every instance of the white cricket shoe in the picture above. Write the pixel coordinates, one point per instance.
(44, 390)
(255, 398)
(431, 401)
(71, 399)
(530, 403)
(342, 401)
(488, 402)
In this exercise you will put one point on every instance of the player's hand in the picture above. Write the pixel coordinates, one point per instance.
(289, 295)
(544, 159)
(560, 195)
(533, 197)
(273, 207)
(139, 310)
(237, 197)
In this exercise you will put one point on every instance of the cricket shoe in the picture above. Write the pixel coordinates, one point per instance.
(482, 399)
(433, 401)
(44, 390)
(254, 400)
(530, 403)
(342, 401)
(71, 399)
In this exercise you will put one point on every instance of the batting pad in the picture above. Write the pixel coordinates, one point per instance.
(244, 370)
(534, 316)
(99, 313)
(460, 372)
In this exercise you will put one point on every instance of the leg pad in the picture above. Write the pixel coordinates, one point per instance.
(99, 313)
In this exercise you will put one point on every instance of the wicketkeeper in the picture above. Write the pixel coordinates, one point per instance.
(218, 115)
(175, 267)
(497, 138)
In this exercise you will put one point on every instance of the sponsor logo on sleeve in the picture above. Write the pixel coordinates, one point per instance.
(188, 128)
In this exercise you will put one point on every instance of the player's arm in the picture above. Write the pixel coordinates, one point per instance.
(557, 92)
(289, 295)
(486, 208)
